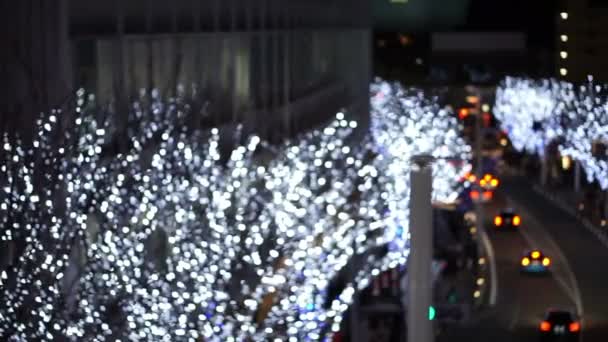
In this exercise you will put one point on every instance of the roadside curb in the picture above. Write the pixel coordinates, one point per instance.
(593, 229)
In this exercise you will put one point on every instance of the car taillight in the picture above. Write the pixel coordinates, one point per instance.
(546, 262)
(525, 262)
(535, 254)
(545, 326)
(487, 195)
(463, 113)
(574, 327)
(516, 220)
(474, 194)
(498, 221)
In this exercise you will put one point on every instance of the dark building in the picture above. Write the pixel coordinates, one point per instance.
(463, 41)
(581, 40)
(278, 66)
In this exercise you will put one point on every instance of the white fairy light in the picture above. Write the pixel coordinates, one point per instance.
(181, 242)
(537, 112)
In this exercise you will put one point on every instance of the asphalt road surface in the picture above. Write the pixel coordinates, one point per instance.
(578, 279)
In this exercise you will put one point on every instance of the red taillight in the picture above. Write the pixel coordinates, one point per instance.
(545, 326)
(463, 113)
(498, 221)
(575, 327)
(475, 195)
(488, 195)
(516, 220)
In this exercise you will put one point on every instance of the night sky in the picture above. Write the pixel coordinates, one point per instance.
(534, 17)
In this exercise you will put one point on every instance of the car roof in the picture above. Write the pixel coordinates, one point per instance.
(509, 211)
(560, 315)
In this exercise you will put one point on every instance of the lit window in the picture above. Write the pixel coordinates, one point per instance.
(563, 54)
(564, 15)
(564, 38)
(563, 71)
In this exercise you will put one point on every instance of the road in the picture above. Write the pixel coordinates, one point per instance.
(578, 279)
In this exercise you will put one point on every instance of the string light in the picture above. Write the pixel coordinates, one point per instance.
(536, 113)
(171, 239)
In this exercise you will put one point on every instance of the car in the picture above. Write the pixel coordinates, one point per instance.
(507, 219)
(535, 261)
(560, 325)
(486, 182)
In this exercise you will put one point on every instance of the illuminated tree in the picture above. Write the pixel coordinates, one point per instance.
(535, 113)
(586, 136)
(183, 243)
(48, 189)
(529, 111)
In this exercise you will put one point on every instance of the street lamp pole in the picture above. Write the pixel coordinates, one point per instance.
(479, 219)
(420, 287)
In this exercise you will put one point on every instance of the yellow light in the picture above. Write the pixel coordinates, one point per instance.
(516, 220)
(498, 221)
(564, 38)
(564, 15)
(473, 230)
(525, 262)
(504, 142)
(472, 99)
(480, 281)
(482, 261)
(482, 182)
(566, 162)
(476, 294)
(404, 40)
(563, 71)
(485, 107)
(487, 177)
(494, 182)
(535, 254)
(546, 262)
(563, 54)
